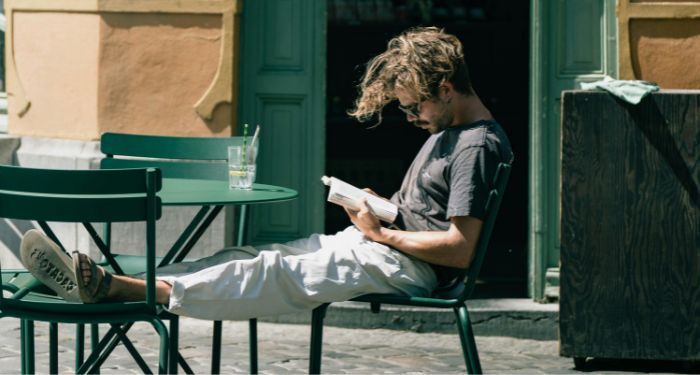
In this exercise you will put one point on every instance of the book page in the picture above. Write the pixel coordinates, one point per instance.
(346, 195)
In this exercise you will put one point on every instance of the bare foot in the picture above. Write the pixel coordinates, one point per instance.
(86, 270)
(94, 282)
(122, 287)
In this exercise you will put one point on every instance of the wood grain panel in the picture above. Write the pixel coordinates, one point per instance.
(630, 227)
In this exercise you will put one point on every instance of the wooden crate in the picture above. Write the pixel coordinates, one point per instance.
(630, 226)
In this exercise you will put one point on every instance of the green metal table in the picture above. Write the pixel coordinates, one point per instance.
(191, 192)
(212, 196)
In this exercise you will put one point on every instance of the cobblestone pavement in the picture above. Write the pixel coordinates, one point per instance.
(283, 348)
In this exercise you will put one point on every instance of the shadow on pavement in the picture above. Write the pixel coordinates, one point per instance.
(638, 365)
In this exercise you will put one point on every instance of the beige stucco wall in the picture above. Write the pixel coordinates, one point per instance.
(55, 55)
(665, 1)
(80, 68)
(667, 52)
(660, 41)
(153, 69)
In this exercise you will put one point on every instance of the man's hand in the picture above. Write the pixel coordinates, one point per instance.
(368, 190)
(365, 221)
(453, 247)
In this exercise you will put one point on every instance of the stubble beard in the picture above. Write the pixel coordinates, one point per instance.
(442, 122)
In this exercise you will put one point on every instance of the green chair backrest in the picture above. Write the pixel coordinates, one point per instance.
(177, 157)
(84, 196)
(76, 195)
(493, 203)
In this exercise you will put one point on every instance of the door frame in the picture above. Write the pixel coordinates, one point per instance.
(544, 159)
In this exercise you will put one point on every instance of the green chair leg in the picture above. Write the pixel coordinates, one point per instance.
(185, 366)
(317, 317)
(253, 345)
(28, 346)
(216, 348)
(466, 336)
(129, 346)
(53, 348)
(164, 345)
(79, 345)
(21, 347)
(100, 351)
(173, 345)
(94, 342)
(22, 343)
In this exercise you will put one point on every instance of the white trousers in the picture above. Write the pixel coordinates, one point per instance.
(248, 282)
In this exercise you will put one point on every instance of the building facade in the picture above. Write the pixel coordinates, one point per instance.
(75, 69)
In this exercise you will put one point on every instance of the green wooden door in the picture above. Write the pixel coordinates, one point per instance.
(282, 75)
(572, 41)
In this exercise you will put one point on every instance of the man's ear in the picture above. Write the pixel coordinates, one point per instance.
(447, 90)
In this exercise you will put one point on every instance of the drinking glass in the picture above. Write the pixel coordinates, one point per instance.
(241, 166)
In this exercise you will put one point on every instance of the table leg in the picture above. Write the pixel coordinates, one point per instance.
(177, 246)
(198, 233)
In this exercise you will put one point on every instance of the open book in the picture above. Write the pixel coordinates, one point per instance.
(346, 195)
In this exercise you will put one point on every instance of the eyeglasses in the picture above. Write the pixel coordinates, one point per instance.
(411, 109)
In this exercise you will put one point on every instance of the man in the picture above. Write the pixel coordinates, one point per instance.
(441, 205)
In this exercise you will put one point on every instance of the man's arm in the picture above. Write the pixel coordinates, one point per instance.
(453, 247)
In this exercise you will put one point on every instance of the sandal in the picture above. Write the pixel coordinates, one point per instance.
(50, 264)
(94, 291)
(53, 267)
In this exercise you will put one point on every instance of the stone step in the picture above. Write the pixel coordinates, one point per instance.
(517, 318)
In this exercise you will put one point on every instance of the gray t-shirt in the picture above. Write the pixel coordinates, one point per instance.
(451, 176)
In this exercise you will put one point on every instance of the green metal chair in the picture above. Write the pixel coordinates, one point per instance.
(447, 298)
(182, 157)
(85, 196)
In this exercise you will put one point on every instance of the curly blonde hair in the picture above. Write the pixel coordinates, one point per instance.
(417, 61)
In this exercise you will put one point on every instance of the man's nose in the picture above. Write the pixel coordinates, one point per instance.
(411, 117)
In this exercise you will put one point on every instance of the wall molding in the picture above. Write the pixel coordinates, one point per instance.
(225, 81)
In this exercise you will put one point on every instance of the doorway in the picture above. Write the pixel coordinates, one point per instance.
(495, 38)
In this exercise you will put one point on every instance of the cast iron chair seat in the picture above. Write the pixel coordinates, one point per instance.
(33, 304)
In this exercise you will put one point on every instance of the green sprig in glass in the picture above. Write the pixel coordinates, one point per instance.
(244, 164)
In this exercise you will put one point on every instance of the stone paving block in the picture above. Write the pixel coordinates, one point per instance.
(284, 348)
(348, 356)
